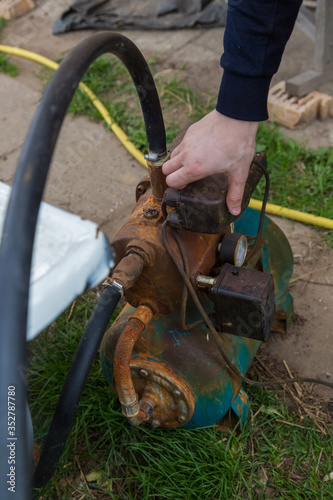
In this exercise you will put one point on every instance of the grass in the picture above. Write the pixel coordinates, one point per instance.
(301, 178)
(5, 65)
(106, 458)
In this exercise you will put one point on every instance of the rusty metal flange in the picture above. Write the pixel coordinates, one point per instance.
(169, 395)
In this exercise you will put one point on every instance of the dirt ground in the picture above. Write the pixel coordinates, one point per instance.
(93, 175)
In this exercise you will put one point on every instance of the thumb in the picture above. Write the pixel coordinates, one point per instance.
(235, 196)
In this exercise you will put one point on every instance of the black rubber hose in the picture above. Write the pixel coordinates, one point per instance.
(74, 384)
(20, 224)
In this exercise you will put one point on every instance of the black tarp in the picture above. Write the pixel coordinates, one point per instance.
(141, 14)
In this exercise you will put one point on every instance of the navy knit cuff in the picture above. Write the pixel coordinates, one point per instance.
(243, 97)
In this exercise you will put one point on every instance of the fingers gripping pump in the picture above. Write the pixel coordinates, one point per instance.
(202, 288)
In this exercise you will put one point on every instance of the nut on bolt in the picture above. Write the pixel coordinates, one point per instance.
(151, 213)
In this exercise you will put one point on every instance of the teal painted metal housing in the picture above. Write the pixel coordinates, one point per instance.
(275, 257)
(192, 355)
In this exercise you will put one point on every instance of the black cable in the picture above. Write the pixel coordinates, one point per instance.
(74, 384)
(20, 223)
(185, 291)
(234, 368)
(262, 212)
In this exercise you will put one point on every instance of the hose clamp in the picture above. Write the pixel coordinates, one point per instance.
(157, 159)
(116, 285)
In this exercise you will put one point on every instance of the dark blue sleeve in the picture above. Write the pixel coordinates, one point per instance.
(254, 40)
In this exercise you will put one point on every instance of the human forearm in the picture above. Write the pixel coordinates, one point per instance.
(255, 37)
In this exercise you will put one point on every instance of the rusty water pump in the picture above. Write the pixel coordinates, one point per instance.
(165, 372)
(176, 354)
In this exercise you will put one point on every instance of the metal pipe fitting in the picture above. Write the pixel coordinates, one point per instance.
(205, 281)
(129, 269)
(157, 178)
(122, 357)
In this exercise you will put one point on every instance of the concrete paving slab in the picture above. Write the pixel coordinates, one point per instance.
(15, 119)
(92, 174)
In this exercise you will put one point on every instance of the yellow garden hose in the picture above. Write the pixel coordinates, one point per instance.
(293, 214)
(120, 134)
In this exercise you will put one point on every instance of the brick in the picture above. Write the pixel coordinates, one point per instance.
(292, 111)
(15, 8)
(325, 106)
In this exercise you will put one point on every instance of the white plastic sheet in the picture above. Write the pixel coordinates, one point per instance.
(70, 255)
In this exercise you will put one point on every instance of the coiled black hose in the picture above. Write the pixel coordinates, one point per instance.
(20, 224)
(73, 387)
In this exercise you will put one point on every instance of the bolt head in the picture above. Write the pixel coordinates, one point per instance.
(143, 373)
(151, 213)
(155, 423)
(176, 393)
(181, 419)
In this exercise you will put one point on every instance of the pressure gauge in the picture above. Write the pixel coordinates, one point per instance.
(233, 249)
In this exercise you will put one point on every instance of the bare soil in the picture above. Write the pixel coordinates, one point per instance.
(93, 175)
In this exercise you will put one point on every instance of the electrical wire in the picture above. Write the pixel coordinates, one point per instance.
(262, 212)
(233, 367)
(185, 291)
(288, 213)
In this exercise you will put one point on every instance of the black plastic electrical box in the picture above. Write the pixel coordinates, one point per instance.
(201, 206)
(244, 302)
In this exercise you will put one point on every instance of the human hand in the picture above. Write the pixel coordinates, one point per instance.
(215, 144)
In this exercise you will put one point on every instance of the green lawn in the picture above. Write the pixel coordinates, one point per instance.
(280, 454)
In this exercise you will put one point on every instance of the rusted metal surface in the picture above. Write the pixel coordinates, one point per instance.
(166, 394)
(165, 374)
(165, 356)
(142, 187)
(160, 285)
(164, 397)
(130, 268)
(123, 353)
(157, 178)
